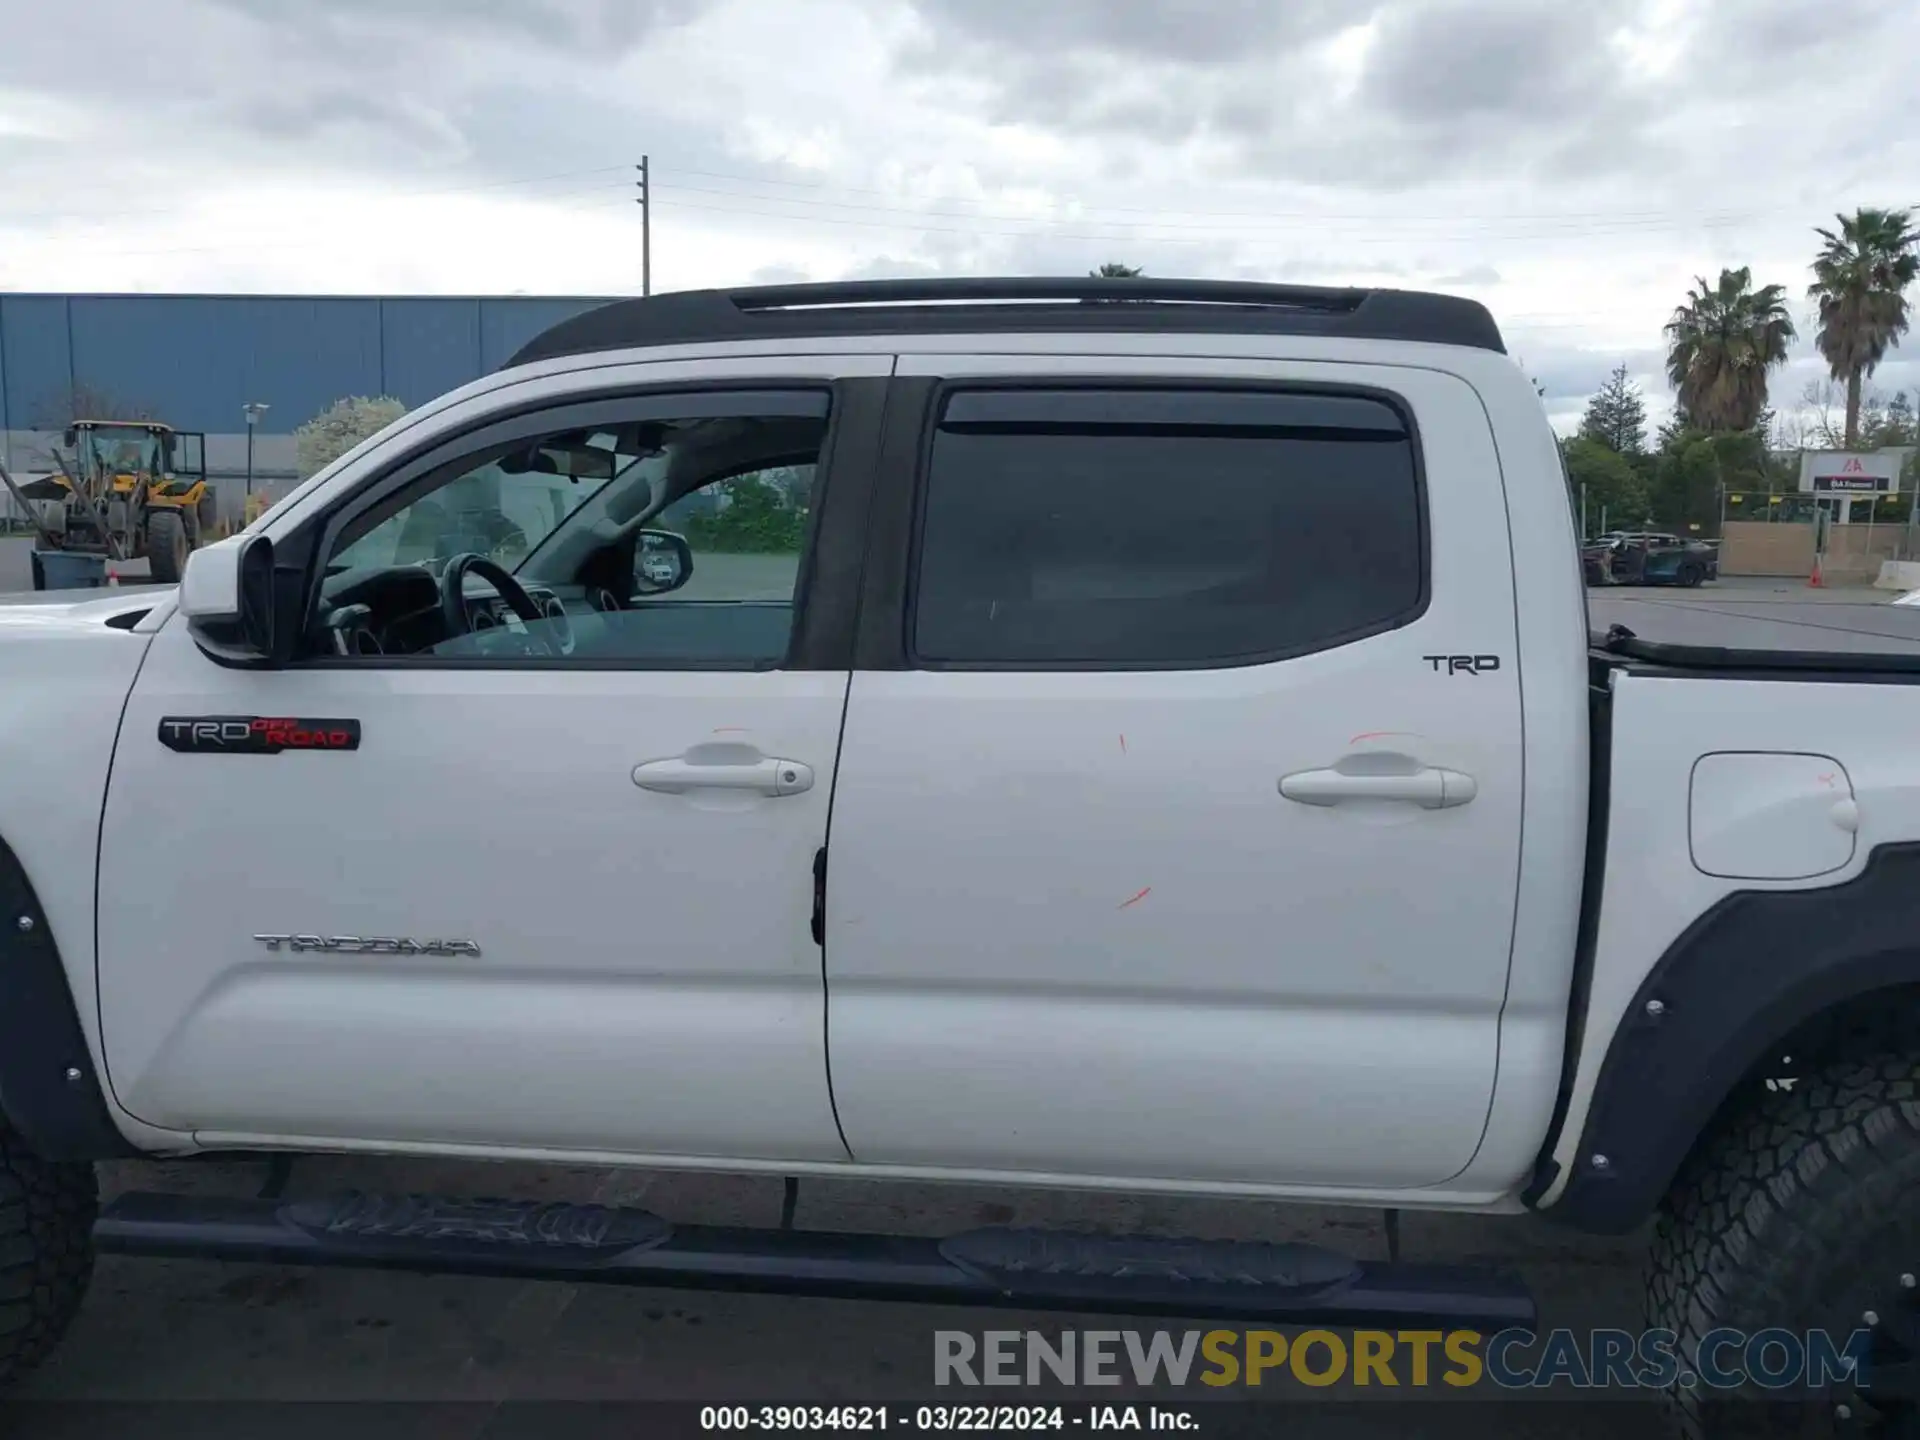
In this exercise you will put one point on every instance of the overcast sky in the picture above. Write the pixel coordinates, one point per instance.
(1573, 163)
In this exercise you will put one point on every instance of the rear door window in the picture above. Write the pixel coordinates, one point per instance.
(1164, 527)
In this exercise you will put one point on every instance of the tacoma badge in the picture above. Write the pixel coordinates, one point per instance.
(356, 945)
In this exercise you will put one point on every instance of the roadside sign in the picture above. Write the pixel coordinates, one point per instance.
(1841, 472)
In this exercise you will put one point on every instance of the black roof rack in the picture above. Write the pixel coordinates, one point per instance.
(888, 307)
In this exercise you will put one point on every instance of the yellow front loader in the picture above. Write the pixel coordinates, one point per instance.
(127, 489)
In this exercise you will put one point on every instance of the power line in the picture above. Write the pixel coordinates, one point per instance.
(1543, 222)
(1154, 232)
(1245, 227)
(1395, 216)
(88, 216)
(1117, 232)
(910, 223)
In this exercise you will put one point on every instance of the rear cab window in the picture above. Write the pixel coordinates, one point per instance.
(1170, 526)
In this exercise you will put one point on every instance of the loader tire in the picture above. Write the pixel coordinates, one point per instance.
(167, 546)
(1802, 1214)
(46, 1252)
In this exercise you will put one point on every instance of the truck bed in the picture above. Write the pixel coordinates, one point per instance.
(1761, 634)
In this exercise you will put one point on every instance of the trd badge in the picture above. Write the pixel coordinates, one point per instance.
(255, 734)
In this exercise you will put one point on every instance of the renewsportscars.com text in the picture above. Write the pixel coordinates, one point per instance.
(1411, 1359)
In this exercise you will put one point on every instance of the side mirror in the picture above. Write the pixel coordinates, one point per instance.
(226, 594)
(662, 561)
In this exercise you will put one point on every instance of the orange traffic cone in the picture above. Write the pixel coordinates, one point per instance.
(113, 578)
(1814, 581)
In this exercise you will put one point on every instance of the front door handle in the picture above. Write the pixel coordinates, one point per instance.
(1427, 786)
(764, 776)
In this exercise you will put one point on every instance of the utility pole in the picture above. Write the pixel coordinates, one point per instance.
(646, 228)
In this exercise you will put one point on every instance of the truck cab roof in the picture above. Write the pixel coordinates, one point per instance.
(1028, 304)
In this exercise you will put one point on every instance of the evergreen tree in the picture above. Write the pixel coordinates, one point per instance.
(1617, 416)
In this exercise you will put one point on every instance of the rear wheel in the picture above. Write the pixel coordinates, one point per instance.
(1690, 576)
(167, 546)
(46, 1252)
(1801, 1216)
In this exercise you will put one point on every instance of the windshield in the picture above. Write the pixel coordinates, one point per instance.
(119, 450)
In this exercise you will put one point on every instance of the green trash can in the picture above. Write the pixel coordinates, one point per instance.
(68, 570)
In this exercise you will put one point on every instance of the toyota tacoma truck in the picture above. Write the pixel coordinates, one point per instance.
(971, 731)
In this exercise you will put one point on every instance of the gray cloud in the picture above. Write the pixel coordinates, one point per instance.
(340, 112)
(1516, 61)
(891, 267)
(604, 25)
(1177, 31)
(1448, 89)
(1442, 83)
(1127, 69)
(1578, 372)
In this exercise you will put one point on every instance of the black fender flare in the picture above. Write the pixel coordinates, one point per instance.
(49, 1091)
(1738, 981)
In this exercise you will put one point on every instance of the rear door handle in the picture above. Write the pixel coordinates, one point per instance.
(766, 776)
(1429, 787)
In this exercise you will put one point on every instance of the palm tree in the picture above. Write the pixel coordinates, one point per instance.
(1720, 346)
(1111, 271)
(1859, 279)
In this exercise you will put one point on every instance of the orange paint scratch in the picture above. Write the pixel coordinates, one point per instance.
(1138, 898)
(1382, 735)
(1123, 744)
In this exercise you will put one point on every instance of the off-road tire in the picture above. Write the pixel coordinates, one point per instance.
(1802, 1212)
(167, 546)
(46, 1252)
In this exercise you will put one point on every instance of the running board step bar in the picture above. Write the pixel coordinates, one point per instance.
(1025, 1269)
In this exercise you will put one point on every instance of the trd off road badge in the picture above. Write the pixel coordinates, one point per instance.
(255, 734)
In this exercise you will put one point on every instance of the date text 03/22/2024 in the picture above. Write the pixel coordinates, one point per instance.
(946, 1419)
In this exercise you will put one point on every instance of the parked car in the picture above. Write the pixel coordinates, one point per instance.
(1298, 846)
(1649, 558)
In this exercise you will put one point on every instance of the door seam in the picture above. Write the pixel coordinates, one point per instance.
(839, 756)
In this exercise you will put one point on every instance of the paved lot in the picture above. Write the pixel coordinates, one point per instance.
(1761, 614)
(16, 569)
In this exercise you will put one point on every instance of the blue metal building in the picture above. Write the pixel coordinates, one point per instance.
(196, 361)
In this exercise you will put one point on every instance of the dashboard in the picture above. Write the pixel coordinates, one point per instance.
(398, 611)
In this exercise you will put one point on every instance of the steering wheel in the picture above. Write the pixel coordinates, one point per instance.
(453, 595)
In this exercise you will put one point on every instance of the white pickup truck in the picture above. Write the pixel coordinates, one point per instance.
(1127, 734)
